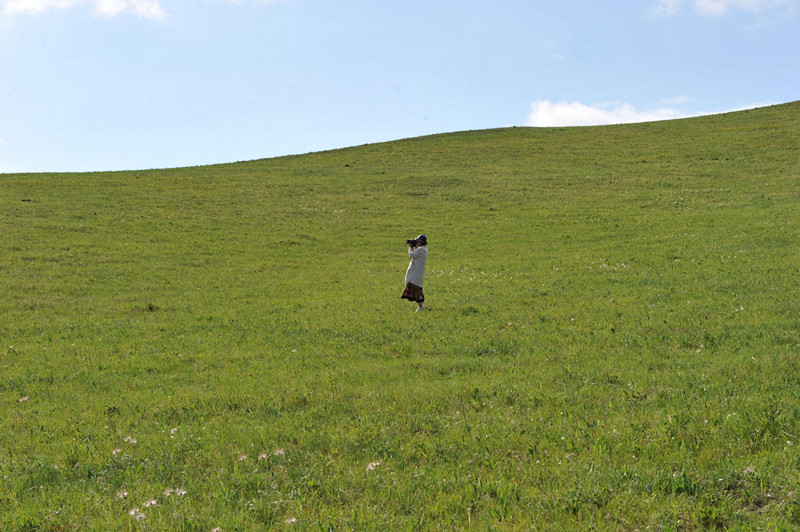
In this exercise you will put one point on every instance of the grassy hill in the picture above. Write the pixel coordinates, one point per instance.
(612, 340)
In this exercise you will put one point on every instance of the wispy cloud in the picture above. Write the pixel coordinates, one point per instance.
(552, 48)
(145, 9)
(666, 7)
(559, 114)
(721, 7)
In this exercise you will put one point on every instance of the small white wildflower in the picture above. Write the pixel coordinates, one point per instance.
(262, 456)
(168, 492)
(291, 520)
(116, 451)
(173, 431)
(133, 511)
(151, 502)
(242, 457)
(140, 516)
(180, 492)
(749, 470)
(122, 494)
(279, 452)
(23, 399)
(372, 465)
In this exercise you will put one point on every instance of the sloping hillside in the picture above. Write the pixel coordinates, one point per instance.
(612, 338)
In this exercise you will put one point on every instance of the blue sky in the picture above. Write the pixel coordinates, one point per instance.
(91, 85)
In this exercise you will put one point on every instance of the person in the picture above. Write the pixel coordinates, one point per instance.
(415, 274)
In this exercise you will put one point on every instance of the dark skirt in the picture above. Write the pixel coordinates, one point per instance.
(413, 293)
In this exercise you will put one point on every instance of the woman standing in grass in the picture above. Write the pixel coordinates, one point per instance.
(418, 253)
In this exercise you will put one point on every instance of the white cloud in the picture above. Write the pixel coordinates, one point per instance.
(712, 7)
(720, 7)
(666, 7)
(559, 114)
(146, 9)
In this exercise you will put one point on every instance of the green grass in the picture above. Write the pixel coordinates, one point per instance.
(612, 343)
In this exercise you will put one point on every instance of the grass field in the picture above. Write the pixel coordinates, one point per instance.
(612, 341)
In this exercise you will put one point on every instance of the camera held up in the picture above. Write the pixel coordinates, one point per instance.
(412, 243)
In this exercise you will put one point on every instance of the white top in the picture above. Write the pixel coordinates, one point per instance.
(416, 266)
